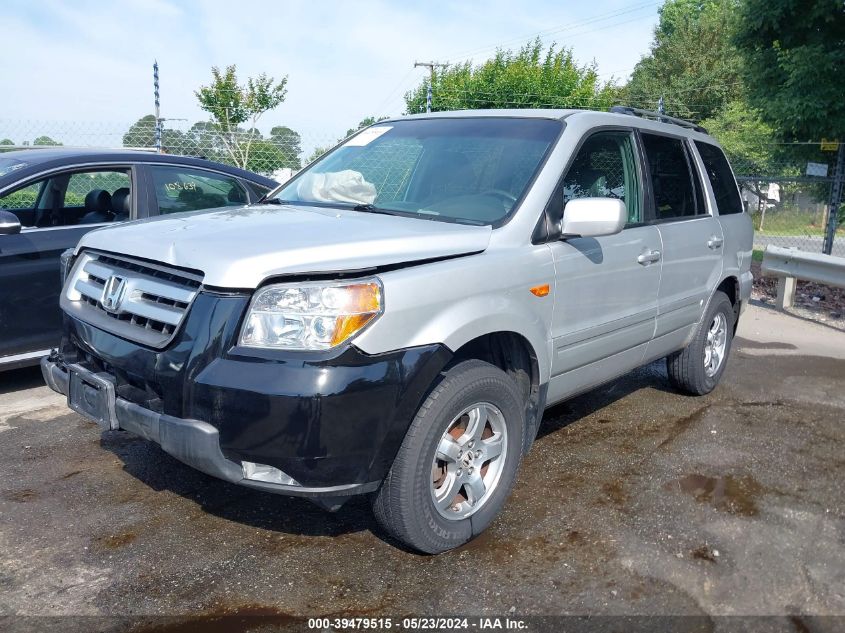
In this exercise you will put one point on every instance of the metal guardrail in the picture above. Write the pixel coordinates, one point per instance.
(790, 264)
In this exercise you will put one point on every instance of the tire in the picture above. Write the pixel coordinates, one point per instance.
(692, 369)
(406, 505)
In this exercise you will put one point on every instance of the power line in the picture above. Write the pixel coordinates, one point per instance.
(557, 29)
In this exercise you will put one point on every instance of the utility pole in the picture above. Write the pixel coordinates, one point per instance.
(430, 66)
(836, 191)
(660, 107)
(158, 111)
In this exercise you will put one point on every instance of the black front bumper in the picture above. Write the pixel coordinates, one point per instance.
(332, 422)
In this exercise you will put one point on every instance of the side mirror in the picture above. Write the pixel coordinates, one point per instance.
(9, 223)
(593, 217)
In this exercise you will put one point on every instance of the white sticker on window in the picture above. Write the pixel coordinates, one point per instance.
(368, 136)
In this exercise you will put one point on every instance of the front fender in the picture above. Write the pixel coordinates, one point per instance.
(455, 301)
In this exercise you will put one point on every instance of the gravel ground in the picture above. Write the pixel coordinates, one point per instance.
(635, 500)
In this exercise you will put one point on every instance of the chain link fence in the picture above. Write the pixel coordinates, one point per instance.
(786, 188)
(788, 196)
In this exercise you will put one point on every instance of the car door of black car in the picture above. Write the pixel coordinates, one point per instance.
(55, 210)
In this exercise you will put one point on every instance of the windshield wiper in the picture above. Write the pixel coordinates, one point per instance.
(266, 200)
(371, 208)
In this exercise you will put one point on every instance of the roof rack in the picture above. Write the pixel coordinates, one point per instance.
(657, 116)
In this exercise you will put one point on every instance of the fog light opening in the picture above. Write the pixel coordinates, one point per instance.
(269, 474)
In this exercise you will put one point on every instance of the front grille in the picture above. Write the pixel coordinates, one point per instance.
(136, 300)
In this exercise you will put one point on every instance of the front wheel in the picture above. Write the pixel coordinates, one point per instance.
(458, 461)
(697, 368)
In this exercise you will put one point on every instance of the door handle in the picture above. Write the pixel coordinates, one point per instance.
(715, 242)
(649, 257)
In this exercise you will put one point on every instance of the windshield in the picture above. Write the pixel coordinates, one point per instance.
(461, 170)
(8, 165)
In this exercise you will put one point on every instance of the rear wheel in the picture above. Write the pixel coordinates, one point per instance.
(697, 368)
(458, 461)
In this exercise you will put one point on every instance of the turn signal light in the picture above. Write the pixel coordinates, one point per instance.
(540, 291)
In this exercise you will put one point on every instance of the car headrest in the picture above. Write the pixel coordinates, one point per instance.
(120, 201)
(98, 201)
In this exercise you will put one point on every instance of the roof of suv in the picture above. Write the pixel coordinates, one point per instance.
(589, 117)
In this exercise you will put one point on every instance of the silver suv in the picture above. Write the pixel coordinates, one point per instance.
(395, 319)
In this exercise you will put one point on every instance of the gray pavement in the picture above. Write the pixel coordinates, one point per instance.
(635, 500)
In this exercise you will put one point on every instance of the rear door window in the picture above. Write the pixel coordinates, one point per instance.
(721, 178)
(675, 193)
(180, 189)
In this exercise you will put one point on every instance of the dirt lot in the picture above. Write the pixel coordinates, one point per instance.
(635, 500)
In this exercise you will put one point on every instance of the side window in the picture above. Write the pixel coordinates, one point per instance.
(605, 167)
(81, 184)
(23, 202)
(68, 199)
(675, 195)
(182, 189)
(721, 178)
(258, 190)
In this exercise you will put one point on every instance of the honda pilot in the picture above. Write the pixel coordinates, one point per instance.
(394, 320)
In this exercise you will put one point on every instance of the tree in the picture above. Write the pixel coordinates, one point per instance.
(7, 141)
(141, 133)
(796, 53)
(529, 78)
(289, 144)
(45, 140)
(748, 143)
(230, 105)
(693, 63)
(318, 151)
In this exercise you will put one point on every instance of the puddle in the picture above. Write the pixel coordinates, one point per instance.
(736, 495)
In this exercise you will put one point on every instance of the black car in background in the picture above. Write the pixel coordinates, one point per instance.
(50, 197)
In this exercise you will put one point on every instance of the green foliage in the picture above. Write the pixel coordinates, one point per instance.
(45, 140)
(7, 141)
(693, 62)
(230, 104)
(746, 139)
(318, 151)
(206, 139)
(529, 78)
(795, 52)
(142, 134)
(20, 199)
(289, 145)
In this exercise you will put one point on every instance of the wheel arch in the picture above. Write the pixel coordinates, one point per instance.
(730, 286)
(514, 354)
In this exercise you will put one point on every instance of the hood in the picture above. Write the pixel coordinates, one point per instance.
(241, 247)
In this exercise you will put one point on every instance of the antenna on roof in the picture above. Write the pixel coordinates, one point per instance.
(158, 112)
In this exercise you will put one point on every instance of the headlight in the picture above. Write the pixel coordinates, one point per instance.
(311, 315)
(65, 262)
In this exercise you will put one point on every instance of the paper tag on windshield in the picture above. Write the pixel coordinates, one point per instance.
(368, 136)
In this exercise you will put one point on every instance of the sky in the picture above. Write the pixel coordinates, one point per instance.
(76, 65)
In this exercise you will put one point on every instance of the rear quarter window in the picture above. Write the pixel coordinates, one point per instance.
(721, 178)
